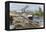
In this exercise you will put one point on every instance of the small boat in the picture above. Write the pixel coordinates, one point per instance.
(30, 17)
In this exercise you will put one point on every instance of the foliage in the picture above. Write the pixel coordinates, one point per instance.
(38, 13)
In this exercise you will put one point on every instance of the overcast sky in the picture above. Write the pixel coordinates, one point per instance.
(18, 6)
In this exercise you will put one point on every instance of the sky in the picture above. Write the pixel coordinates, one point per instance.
(18, 6)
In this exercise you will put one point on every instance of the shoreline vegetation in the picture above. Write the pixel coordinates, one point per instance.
(38, 13)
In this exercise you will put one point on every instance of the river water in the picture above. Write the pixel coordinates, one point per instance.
(38, 20)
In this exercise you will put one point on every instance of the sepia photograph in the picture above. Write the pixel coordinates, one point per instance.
(24, 16)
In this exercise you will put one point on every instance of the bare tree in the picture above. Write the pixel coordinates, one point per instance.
(23, 9)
